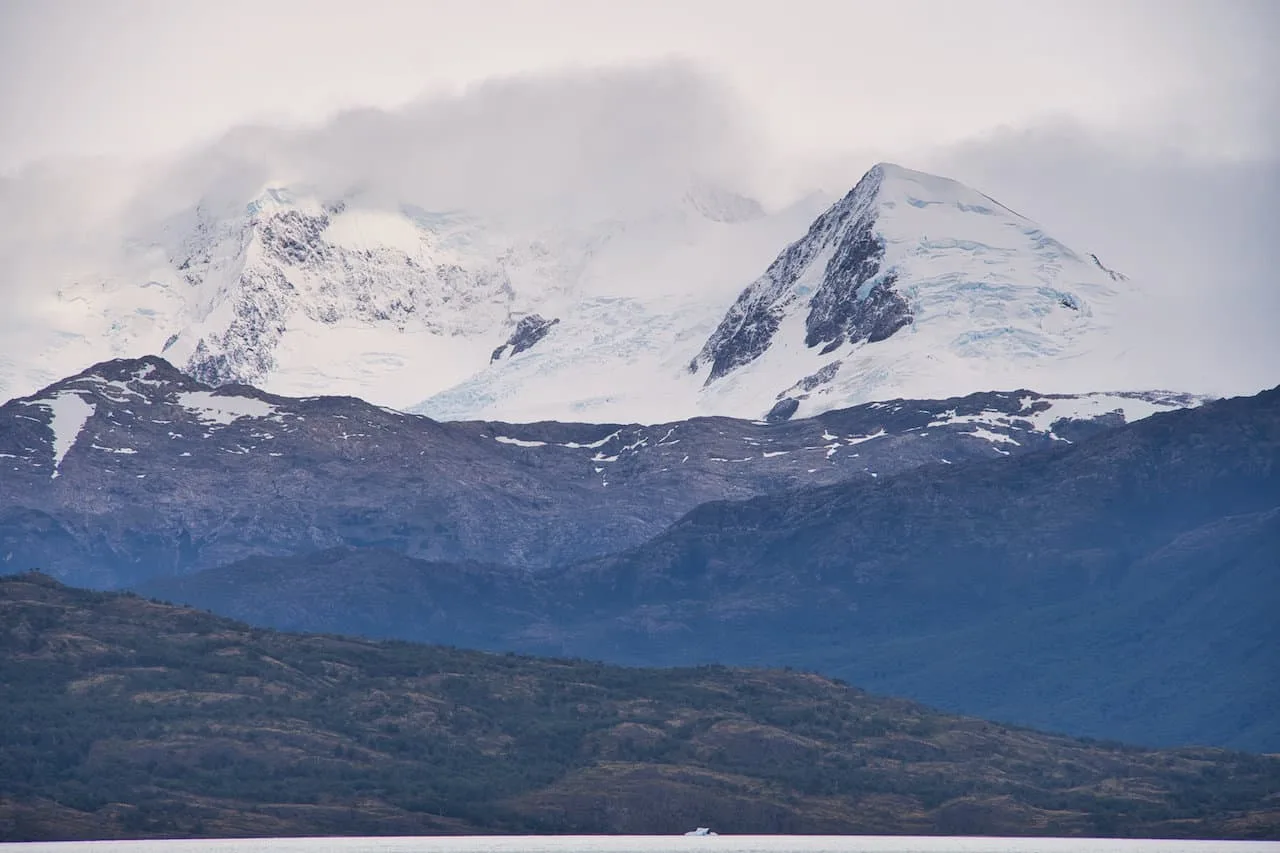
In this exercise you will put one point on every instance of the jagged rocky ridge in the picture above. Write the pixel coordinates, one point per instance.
(529, 330)
(284, 264)
(133, 469)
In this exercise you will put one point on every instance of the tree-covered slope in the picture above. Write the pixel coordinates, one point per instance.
(126, 717)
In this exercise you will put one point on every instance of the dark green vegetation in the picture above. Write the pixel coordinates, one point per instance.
(125, 717)
(1127, 586)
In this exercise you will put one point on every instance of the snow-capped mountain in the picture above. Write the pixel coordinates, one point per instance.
(303, 295)
(910, 286)
(393, 303)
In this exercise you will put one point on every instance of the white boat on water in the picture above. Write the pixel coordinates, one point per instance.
(702, 830)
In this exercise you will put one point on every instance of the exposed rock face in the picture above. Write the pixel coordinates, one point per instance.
(1115, 276)
(133, 469)
(246, 348)
(789, 400)
(529, 330)
(850, 307)
(782, 410)
(836, 270)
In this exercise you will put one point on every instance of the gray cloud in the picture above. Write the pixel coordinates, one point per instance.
(591, 145)
(146, 76)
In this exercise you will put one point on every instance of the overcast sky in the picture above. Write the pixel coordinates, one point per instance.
(84, 76)
(1147, 130)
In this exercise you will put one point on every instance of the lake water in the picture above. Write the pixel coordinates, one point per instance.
(652, 844)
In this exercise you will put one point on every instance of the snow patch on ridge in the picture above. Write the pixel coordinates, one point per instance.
(992, 437)
(1042, 413)
(518, 442)
(600, 443)
(222, 410)
(69, 412)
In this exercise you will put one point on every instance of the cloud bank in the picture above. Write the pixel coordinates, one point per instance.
(587, 144)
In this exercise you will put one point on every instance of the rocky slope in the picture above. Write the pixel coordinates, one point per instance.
(133, 469)
(127, 718)
(1124, 586)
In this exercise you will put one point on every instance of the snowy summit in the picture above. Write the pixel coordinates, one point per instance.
(911, 285)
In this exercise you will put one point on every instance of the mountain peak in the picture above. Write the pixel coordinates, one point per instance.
(885, 170)
(121, 373)
(894, 184)
(909, 278)
(718, 204)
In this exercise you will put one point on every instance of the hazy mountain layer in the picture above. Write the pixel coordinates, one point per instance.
(1121, 587)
